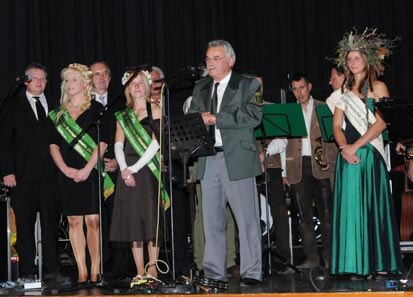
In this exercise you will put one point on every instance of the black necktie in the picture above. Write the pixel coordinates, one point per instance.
(41, 114)
(214, 103)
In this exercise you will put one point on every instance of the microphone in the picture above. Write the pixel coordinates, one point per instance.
(187, 72)
(23, 79)
(199, 70)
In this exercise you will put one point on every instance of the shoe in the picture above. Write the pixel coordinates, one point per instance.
(308, 264)
(206, 282)
(82, 285)
(381, 276)
(248, 282)
(285, 270)
(29, 277)
(57, 279)
(233, 271)
(357, 277)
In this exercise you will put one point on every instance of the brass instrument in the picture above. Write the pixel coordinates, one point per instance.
(320, 154)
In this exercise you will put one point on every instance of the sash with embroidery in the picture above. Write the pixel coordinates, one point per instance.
(140, 140)
(69, 129)
(355, 111)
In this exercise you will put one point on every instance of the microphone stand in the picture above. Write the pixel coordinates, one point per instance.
(11, 91)
(101, 283)
(270, 251)
(167, 117)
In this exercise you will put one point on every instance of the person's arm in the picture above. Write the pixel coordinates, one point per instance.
(346, 150)
(276, 146)
(149, 153)
(6, 151)
(60, 163)
(372, 133)
(83, 173)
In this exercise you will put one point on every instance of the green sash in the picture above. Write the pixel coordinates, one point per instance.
(69, 129)
(140, 140)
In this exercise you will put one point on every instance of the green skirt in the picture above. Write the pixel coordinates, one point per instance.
(365, 239)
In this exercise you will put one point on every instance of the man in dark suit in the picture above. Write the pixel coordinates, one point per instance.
(230, 105)
(116, 255)
(28, 169)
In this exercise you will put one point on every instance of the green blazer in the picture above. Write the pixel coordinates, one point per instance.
(239, 114)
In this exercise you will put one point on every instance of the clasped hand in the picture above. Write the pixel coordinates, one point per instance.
(128, 177)
(348, 152)
(78, 175)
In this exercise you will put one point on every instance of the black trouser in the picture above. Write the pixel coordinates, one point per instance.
(279, 211)
(305, 191)
(28, 198)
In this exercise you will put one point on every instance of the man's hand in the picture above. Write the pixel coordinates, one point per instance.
(10, 180)
(286, 182)
(208, 118)
(110, 164)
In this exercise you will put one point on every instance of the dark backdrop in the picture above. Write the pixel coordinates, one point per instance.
(271, 38)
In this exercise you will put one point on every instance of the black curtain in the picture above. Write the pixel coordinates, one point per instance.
(271, 38)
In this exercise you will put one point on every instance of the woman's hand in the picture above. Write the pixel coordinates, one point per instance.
(130, 182)
(82, 174)
(128, 177)
(126, 173)
(348, 152)
(70, 172)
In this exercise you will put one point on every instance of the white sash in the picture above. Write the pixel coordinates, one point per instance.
(355, 111)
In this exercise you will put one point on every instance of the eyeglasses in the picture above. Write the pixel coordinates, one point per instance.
(41, 79)
(215, 59)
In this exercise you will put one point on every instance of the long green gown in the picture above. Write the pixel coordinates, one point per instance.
(365, 239)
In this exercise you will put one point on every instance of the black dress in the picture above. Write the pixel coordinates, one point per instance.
(136, 211)
(79, 198)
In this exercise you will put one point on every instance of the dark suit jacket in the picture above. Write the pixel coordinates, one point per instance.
(239, 114)
(115, 103)
(24, 149)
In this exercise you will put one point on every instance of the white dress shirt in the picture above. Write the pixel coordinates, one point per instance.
(220, 92)
(102, 99)
(306, 143)
(32, 102)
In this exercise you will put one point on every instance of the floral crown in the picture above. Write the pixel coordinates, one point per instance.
(370, 43)
(129, 75)
(83, 69)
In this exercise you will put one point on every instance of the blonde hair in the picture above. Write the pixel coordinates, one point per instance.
(86, 75)
(129, 99)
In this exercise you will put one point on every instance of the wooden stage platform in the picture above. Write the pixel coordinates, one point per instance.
(311, 283)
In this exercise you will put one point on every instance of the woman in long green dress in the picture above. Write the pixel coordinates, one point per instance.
(365, 239)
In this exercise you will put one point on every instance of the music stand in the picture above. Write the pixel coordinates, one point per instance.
(325, 119)
(279, 120)
(189, 138)
(282, 120)
(398, 116)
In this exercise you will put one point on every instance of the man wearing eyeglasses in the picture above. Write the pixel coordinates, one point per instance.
(28, 170)
(230, 105)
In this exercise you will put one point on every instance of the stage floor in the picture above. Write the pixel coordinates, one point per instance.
(315, 282)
